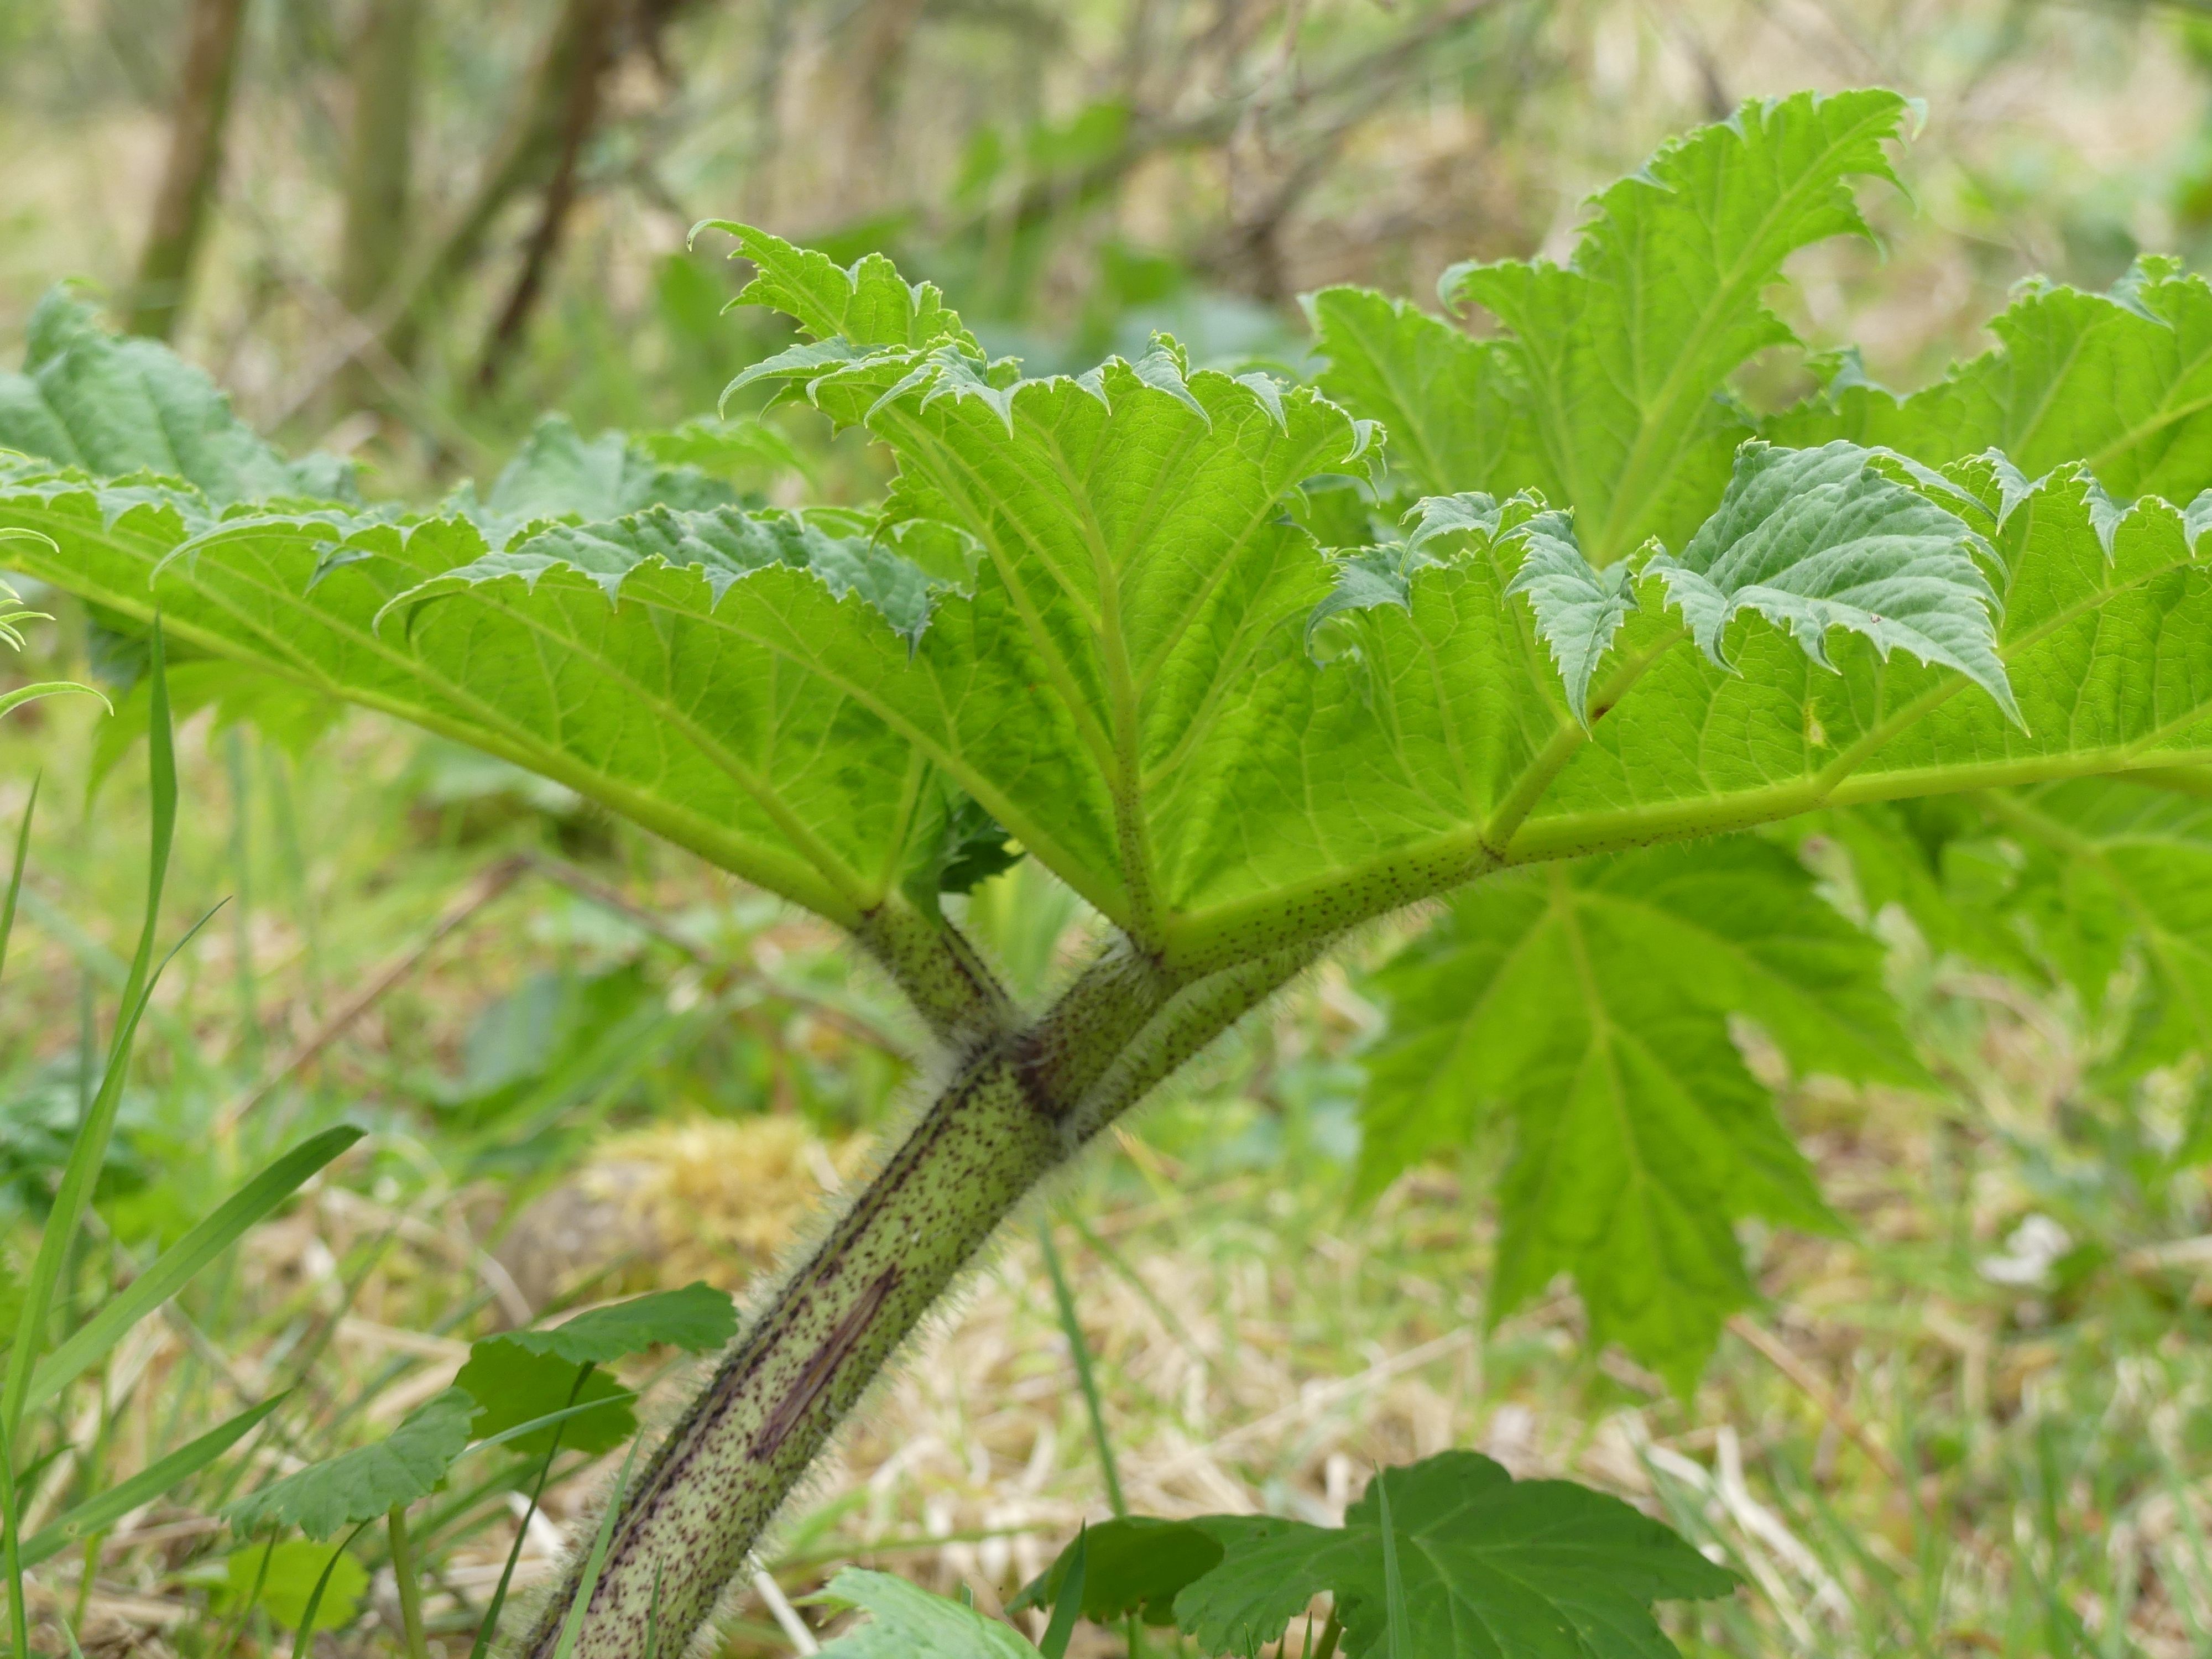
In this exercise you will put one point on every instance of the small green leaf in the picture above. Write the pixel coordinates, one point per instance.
(867, 302)
(697, 1319)
(363, 1484)
(1814, 540)
(295, 1568)
(1487, 1567)
(1134, 1564)
(515, 1386)
(907, 1622)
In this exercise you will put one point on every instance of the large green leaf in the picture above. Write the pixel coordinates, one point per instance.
(1488, 1568)
(868, 305)
(776, 775)
(1456, 408)
(115, 404)
(1123, 680)
(2121, 382)
(1589, 1006)
(559, 473)
(182, 1261)
(1609, 395)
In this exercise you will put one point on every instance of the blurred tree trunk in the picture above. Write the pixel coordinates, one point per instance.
(213, 31)
(525, 153)
(379, 162)
(588, 59)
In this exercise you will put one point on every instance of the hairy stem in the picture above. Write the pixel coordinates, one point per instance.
(1019, 1107)
(938, 970)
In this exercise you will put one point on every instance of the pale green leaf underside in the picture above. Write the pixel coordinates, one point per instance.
(697, 1319)
(2118, 874)
(1817, 539)
(2120, 381)
(784, 730)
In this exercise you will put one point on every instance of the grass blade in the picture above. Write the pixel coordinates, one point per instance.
(1393, 1586)
(23, 694)
(88, 1151)
(1081, 1349)
(183, 1259)
(15, 872)
(405, 1580)
(548, 1420)
(230, 1631)
(1069, 1607)
(489, 1627)
(148, 1483)
(303, 1643)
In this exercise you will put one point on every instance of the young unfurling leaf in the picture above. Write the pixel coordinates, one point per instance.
(1814, 540)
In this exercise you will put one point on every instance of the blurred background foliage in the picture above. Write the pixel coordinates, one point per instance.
(1982, 1423)
(403, 228)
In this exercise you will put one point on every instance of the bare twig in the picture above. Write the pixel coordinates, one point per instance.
(589, 888)
(480, 892)
(1778, 1354)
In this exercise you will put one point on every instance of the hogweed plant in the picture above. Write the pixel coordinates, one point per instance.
(1546, 630)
